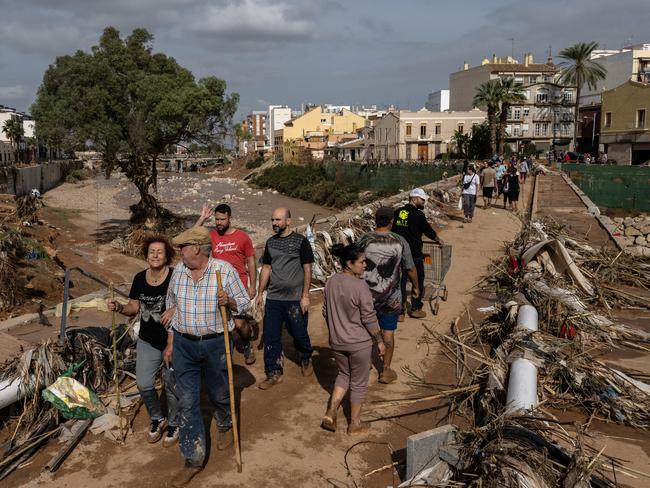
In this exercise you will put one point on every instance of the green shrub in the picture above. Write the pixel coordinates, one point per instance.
(77, 175)
(255, 163)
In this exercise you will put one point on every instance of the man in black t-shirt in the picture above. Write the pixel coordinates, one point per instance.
(410, 223)
(286, 276)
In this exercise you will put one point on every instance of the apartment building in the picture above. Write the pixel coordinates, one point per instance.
(437, 101)
(625, 128)
(421, 135)
(545, 118)
(276, 117)
(254, 127)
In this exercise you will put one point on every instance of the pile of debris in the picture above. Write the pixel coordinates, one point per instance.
(38, 406)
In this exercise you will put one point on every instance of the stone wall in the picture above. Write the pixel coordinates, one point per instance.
(634, 234)
(43, 177)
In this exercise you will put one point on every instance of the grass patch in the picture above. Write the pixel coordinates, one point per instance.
(308, 183)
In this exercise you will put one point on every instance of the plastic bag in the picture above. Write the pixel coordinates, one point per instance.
(73, 399)
(460, 203)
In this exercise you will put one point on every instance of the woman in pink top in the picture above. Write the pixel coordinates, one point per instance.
(352, 323)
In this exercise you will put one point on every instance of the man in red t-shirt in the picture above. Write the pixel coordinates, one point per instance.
(235, 247)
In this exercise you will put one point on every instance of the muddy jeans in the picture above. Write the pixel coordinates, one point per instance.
(194, 361)
(277, 312)
(148, 361)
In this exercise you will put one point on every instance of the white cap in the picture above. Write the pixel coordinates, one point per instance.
(418, 192)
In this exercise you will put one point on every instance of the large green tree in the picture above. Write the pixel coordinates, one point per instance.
(579, 69)
(510, 93)
(487, 97)
(131, 105)
(13, 129)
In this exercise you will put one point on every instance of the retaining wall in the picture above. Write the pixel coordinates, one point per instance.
(43, 177)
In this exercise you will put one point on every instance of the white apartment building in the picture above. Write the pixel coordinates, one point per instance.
(438, 101)
(545, 118)
(276, 117)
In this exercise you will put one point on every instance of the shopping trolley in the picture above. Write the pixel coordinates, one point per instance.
(437, 259)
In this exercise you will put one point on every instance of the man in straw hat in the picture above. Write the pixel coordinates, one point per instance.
(196, 344)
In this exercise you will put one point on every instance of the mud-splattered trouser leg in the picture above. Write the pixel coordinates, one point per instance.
(273, 318)
(192, 361)
(146, 367)
(296, 322)
(173, 404)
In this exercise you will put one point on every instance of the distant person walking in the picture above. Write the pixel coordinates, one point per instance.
(352, 324)
(523, 171)
(286, 273)
(147, 299)
(411, 223)
(470, 185)
(388, 257)
(500, 171)
(234, 246)
(489, 180)
(512, 189)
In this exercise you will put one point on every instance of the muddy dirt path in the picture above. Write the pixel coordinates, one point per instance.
(282, 443)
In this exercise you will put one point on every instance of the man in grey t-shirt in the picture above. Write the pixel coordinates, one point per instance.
(286, 276)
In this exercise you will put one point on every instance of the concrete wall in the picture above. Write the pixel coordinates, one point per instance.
(43, 177)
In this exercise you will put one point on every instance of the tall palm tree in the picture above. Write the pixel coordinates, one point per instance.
(509, 93)
(13, 129)
(578, 69)
(487, 96)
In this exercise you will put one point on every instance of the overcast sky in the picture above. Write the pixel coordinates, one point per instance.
(329, 51)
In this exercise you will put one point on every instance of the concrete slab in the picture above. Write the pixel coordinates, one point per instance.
(422, 449)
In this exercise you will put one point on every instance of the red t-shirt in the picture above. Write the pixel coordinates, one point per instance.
(233, 248)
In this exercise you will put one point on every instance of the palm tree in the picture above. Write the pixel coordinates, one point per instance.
(487, 95)
(13, 129)
(461, 140)
(509, 93)
(577, 69)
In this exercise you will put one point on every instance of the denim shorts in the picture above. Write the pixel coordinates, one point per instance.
(387, 321)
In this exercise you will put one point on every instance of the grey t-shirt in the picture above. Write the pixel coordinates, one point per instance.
(286, 256)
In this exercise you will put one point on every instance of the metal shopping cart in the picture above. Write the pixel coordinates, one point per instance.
(437, 260)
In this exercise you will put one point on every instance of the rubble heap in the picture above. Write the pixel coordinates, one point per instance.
(634, 234)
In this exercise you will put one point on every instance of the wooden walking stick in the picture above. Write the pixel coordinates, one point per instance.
(231, 385)
(116, 376)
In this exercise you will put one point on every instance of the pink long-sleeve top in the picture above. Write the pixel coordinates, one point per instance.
(349, 312)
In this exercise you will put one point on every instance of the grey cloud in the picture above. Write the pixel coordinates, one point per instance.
(15, 92)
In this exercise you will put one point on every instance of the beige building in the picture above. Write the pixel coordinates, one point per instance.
(421, 135)
(625, 130)
(545, 118)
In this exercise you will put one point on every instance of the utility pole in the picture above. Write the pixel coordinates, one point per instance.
(512, 50)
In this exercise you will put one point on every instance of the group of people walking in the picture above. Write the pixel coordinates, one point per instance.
(494, 179)
(182, 330)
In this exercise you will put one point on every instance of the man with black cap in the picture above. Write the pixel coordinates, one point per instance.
(410, 223)
(196, 345)
(387, 255)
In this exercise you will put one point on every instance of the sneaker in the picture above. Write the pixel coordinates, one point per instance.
(156, 430)
(307, 367)
(270, 381)
(249, 354)
(171, 437)
(225, 439)
(358, 428)
(387, 376)
(185, 475)
(418, 314)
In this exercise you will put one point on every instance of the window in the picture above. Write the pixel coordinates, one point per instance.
(423, 131)
(517, 113)
(461, 128)
(409, 128)
(640, 118)
(538, 130)
(544, 130)
(323, 121)
(541, 129)
(568, 97)
(438, 129)
(408, 151)
(542, 97)
(608, 120)
(526, 111)
(566, 129)
(516, 130)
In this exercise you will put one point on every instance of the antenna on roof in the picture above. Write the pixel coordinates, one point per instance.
(550, 54)
(512, 51)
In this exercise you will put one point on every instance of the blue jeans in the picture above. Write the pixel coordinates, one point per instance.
(148, 361)
(194, 361)
(416, 302)
(277, 312)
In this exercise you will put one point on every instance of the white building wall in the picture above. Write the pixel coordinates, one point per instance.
(277, 116)
(438, 101)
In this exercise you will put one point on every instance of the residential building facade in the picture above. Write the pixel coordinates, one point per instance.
(438, 101)
(276, 117)
(254, 128)
(318, 129)
(546, 116)
(421, 135)
(625, 128)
